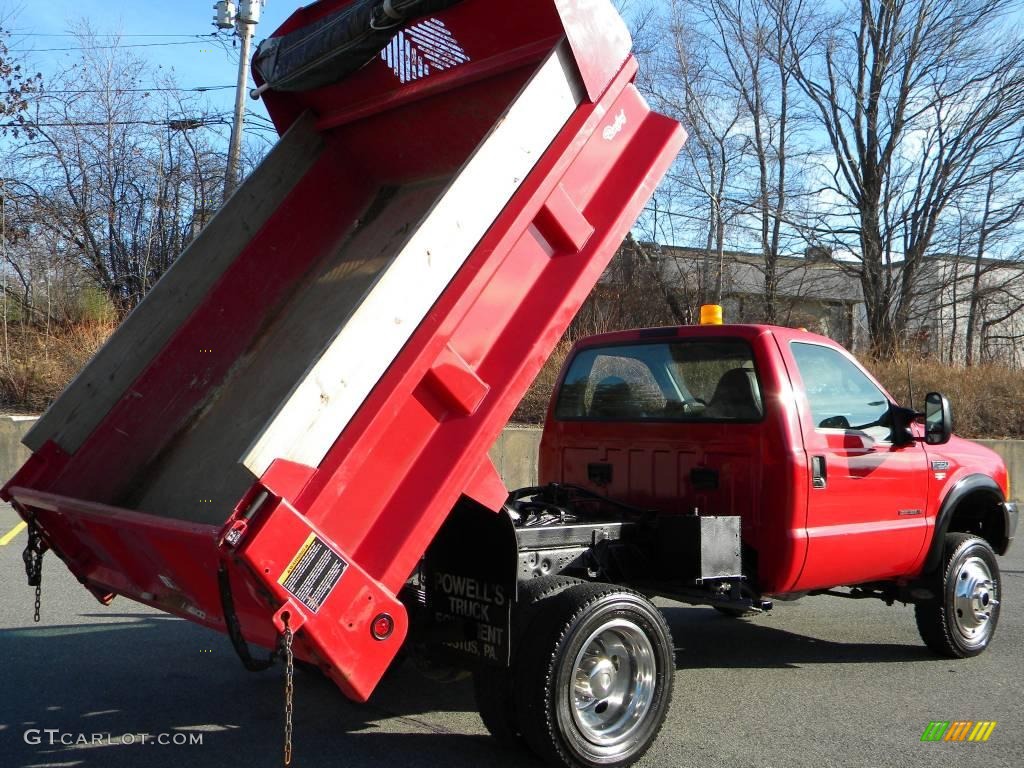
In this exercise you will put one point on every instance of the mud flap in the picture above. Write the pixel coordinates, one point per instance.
(470, 581)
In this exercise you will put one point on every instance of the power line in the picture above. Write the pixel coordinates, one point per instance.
(194, 89)
(28, 125)
(199, 39)
(102, 34)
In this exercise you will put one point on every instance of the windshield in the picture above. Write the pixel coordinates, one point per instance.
(682, 380)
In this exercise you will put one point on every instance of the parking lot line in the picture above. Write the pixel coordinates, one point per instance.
(9, 536)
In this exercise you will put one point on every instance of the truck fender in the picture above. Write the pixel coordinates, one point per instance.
(961, 489)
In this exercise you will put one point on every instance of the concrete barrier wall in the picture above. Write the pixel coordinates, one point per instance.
(515, 453)
(12, 453)
(515, 456)
(1012, 452)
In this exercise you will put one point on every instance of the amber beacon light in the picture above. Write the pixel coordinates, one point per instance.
(711, 314)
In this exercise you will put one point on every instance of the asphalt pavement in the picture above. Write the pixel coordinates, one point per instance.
(818, 682)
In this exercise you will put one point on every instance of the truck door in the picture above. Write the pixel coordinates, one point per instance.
(867, 499)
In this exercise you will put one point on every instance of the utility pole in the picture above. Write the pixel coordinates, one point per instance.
(244, 17)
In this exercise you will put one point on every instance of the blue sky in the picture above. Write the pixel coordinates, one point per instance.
(36, 25)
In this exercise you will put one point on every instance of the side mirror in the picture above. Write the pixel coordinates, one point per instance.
(900, 420)
(938, 422)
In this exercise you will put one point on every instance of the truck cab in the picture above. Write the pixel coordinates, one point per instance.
(726, 466)
(833, 481)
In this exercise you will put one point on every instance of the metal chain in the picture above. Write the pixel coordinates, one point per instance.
(289, 691)
(33, 557)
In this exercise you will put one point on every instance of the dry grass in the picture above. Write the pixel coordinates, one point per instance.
(533, 408)
(35, 366)
(987, 400)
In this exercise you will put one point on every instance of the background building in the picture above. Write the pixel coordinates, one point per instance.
(960, 304)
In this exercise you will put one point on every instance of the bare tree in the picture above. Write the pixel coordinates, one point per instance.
(723, 68)
(751, 60)
(679, 78)
(16, 86)
(917, 98)
(997, 226)
(121, 178)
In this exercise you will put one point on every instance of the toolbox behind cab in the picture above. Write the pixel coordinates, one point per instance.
(302, 399)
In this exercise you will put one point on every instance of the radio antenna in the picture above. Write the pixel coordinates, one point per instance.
(910, 382)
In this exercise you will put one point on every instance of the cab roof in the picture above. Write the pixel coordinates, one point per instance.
(732, 330)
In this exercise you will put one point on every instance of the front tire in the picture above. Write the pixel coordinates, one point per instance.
(961, 620)
(595, 678)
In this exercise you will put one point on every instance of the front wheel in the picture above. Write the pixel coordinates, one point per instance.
(961, 620)
(595, 678)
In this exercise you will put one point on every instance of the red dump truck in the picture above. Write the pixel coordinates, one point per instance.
(287, 440)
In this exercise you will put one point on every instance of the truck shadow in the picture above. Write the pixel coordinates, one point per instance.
(144, 673)
(148, 674)
(705, 638)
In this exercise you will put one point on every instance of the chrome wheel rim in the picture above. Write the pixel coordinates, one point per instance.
(975, 597)
(613, 683)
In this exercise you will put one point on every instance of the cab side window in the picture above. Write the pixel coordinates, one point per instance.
(840, 395)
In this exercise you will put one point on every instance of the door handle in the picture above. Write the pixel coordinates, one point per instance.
(819, 472)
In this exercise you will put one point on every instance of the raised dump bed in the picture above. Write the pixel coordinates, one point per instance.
(307, 393)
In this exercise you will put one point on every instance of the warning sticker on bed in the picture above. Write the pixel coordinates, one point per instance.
(313, 572)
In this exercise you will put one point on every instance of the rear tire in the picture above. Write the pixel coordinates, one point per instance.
(492, 688)
(493, 685)
(961, 620)
(594, 682)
